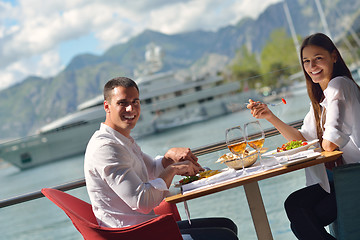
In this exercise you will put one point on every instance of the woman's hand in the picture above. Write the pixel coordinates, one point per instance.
(259, 110)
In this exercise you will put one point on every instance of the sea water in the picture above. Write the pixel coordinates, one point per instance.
(41, 219)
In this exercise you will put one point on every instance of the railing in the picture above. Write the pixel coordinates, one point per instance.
(81, 182)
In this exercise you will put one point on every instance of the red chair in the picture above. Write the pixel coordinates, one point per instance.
(166, 208)
(83, 218)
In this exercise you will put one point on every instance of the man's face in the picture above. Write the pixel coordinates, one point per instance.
(123, 110)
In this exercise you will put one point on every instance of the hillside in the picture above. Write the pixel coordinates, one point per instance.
(29, 105)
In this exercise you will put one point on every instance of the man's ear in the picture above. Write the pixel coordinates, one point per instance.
(106, 106)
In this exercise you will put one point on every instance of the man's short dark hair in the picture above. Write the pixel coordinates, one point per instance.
(118, 82)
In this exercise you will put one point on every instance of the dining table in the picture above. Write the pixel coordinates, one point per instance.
(252, 190)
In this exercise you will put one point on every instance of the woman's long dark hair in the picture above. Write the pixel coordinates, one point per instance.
(340, 69)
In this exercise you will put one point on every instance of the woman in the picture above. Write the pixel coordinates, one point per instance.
(333, 116)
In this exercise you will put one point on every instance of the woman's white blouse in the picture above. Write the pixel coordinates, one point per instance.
(342, 126)
(121, 180)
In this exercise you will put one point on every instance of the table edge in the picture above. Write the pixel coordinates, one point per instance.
(325, 157)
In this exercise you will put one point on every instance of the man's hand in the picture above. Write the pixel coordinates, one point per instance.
(175, 155)
(184, 168)
(179, 161)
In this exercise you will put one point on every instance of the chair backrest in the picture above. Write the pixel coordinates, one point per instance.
(166, 208)
(81, 214)
(347, 190)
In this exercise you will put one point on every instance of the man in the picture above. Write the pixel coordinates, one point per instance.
(124, 184)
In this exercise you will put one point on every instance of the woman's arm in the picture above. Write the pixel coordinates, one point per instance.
(328, 146)
(261, 111)
(339, 94)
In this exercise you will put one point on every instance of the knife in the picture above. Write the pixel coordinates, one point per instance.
(187, 212)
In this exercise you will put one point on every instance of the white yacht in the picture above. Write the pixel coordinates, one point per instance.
(167, 101)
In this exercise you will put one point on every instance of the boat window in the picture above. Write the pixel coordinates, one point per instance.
(148, 100)
(25, 158)
(198, 88)
(157, 112)
(181, 106)
(178, 93)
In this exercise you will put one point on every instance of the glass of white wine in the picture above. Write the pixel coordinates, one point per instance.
(255, 137)
(235, 141)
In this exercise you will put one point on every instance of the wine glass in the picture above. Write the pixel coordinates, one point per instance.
(235, 141)
(255, 137)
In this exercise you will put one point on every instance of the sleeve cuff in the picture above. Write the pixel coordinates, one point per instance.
(336, 137)
(159, 184)
(159, 166)
(305, 134)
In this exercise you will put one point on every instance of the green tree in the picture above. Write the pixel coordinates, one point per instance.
(279, 59)
(245, 68)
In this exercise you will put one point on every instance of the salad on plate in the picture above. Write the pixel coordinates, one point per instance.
(291, 145)
(290, 148)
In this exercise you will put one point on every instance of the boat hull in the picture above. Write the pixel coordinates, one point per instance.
(48, 147)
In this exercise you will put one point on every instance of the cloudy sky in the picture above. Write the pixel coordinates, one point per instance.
(39, 37)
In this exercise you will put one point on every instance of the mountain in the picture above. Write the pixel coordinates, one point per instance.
(36, 101)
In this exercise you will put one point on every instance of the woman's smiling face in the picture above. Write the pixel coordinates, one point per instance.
(318, 64)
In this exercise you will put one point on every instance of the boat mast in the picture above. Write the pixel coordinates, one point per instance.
(292, 29)
(353, 51)
(347, 29)
(323, 19)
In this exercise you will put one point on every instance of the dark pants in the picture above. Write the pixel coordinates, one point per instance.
(208, 229)
(309, 210)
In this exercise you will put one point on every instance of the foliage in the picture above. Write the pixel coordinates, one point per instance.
(245, 66)
(349, 48)
(278, 60)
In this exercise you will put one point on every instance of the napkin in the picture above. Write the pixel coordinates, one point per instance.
(220, 177)
(296, 156)
(270, 162)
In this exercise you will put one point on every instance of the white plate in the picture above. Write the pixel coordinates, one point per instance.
(301, 159)
(274, 153)
(178, 184)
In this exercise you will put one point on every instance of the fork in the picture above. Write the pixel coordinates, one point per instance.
(283, 101)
